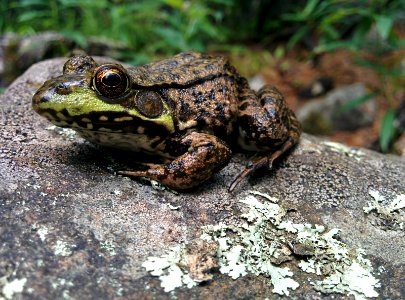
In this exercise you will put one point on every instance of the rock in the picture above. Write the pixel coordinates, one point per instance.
(21, 52)
(399, 145)
(400, 116)
(105, 47)
(399, 123)
(374, 42)
(71, 228)
(257, 82)
(327, 111)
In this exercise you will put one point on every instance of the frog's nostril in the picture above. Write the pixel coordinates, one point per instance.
(62, 89)
(45, 98)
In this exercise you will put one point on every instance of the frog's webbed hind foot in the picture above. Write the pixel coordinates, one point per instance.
(260, 162)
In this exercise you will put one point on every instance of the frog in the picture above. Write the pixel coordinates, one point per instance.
(191, 111)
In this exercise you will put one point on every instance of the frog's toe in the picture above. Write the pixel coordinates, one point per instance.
(133, 173)
(155, 173)
(250, 168)
(259, 162)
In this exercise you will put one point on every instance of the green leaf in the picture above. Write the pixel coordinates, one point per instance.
(297, 36)
(178, 4)
(297, 17)
(30, 3)
(279, 52)
(353, 103)
(330, 31)
(309, 8)
(387, 130)
(384, 25)
(330, 46)
(33, 15)
(336, 15)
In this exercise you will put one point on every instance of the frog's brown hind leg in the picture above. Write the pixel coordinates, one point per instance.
(265, 124)
(203, 155)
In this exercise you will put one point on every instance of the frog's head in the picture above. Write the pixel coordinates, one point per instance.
(104, 97)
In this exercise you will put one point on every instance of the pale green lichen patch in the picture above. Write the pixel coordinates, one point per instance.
(13, 287)
(348, 151)
(173, 207)
(68, 133)
(346, 269)
(62, 248)
(251, 247)
(158, 186)
(42, 231)
(355, 279)
(167, 268)
(61, 283)
(395, 205)
(387, 209)
(108, 247)
(259, 246)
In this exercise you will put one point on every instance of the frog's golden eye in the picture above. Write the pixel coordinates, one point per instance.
(111, 81)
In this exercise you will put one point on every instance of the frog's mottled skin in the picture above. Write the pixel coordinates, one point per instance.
(189, 110)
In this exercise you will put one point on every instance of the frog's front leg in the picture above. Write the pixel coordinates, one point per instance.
(201, 157)
(266, 125)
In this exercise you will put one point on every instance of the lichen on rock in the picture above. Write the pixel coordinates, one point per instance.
(253, 247)
(391, 210)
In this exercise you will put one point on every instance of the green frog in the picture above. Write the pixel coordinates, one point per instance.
(189, 110)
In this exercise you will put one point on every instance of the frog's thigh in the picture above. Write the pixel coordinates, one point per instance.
(206, 154)
(266, 125)
(265, 122)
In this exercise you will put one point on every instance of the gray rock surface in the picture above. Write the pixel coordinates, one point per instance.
(324, 115)
(70, 228)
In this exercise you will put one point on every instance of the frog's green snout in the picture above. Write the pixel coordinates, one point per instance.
(42, 95)
(50, 97)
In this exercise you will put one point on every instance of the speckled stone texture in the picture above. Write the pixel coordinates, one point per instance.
(71, 229)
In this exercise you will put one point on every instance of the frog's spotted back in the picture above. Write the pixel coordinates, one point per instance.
(183, 70)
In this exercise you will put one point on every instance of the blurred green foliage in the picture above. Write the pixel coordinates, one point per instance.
(149, 26)
(327, 25)
(168, 26)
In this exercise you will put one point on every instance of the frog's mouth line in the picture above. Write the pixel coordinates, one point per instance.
(105, 122)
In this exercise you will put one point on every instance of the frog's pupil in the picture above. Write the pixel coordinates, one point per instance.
(111, 79)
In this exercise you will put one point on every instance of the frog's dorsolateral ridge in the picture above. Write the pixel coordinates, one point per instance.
(190, 110)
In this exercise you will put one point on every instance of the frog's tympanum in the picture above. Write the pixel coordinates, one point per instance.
(190, 111)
